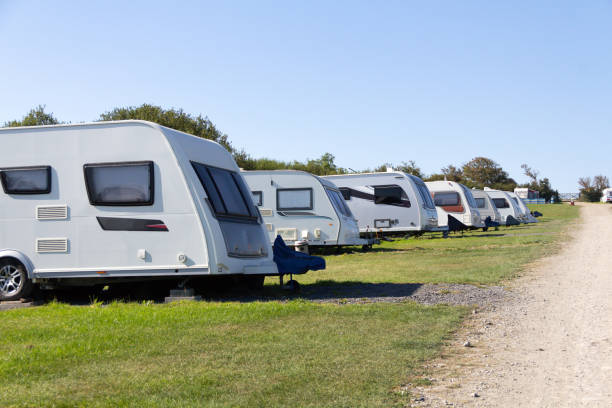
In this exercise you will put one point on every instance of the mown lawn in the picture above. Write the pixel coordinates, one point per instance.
(254, 354)
(473, 257)
(213, 354)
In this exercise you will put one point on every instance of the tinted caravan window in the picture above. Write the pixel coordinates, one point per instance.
(26, 180)
(257, 198)
(468, 195)
(501, 203)
(338, 202)
(294, 199)
(480, 202)
(346, 193)
(226, 192)
(447, 199)
(128, 183)
(391, 194)
(425, 195)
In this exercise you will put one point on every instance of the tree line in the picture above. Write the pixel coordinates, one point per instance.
(479, 172)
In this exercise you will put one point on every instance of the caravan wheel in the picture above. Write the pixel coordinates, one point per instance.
(14, 282)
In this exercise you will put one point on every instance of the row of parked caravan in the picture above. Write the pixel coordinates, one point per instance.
(356, 209)
(116, 202)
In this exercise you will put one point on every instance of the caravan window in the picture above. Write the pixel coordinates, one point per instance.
(294, 199)
(468, 196)
(338, 203)
(26, 180)
(120, 184)
(447, 199)
(480, 202)
(346, 193)
(425, 195)
(390, 194)
(257, 198)
(501, 203)
(226, 192)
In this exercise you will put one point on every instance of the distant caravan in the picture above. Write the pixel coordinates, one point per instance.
(389, 203)
(455, 205)
(527, 216)
(507, 207)
(488, 212)
(305, 210)
(606, 195)
(110, 202)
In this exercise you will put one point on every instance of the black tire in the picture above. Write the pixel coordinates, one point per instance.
(14, 281)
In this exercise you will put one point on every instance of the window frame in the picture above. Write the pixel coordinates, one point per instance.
(96, 203)
(5, 188)
(279, 190)
(484, 202)
(226, 216)
(506, 203)
(259, 203)
(403, 201)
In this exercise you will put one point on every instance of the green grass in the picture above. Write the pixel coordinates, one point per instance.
(474, 257)
(255, 354)
(211, 354)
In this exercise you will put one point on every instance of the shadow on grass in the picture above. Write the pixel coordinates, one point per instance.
(224, 292)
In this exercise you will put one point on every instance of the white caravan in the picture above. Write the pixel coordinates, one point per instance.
(523, 207)
(303, 209)
(508, 209)
(455, 205)
(486, 208)
(391, 202)
(606, 195)
(109, 201)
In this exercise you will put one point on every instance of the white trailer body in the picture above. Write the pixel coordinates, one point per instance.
(125, 199)
(455, 200)
(302, 208)
(485, 205)
(522, 207)
(391, 202)
(505, 205)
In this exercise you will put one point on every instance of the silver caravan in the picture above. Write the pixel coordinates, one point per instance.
(391, 202)
(486, 207)
(455, 205)
(303, 209)
(508, 209)
(522, 207)
(109, 201)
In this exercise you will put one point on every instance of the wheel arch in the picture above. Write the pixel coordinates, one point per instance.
(23, 259)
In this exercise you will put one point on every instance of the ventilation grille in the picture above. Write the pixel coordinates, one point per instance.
(266, 212)
(287, 234)
(47, 245)
(51, 212)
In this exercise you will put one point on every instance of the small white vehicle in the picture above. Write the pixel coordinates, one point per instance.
(389, 203)
(455, 205)
(106, 202)
(488, 212)
(305, 210)
(507, 207)
(523, 207)
(606, 195)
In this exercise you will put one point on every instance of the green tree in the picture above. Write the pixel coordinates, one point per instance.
(542, 186)
(35, 117)
(483, 172)
(175, 119)
(590, 190)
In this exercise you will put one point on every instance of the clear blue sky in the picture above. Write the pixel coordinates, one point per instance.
(371, 82)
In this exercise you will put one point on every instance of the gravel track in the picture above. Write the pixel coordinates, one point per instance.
(549, 344)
